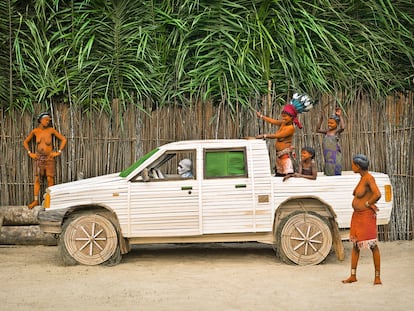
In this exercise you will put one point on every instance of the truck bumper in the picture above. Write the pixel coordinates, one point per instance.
(51, 221)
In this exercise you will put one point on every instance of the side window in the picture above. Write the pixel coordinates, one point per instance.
(173, 165)
(225, 163)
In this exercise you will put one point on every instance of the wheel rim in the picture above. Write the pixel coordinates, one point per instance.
(91, 239)
(306, 239)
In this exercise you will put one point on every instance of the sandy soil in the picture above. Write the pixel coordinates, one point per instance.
(204, 277)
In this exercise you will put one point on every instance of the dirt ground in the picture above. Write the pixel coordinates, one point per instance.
(239, 276)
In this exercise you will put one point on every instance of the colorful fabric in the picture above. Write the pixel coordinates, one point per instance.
(332, 155)
(291, 110)
(363, 231)
(284, 165)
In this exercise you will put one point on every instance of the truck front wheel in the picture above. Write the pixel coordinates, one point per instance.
(304, 238)
(89, 239)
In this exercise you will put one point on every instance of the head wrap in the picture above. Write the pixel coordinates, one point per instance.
(291, 110)
(298, 104)
(361, 160)
(43, 114)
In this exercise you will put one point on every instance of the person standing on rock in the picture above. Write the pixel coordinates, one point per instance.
(44, 156)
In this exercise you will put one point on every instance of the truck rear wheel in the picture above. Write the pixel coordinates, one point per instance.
(304, 238)
(89, 239)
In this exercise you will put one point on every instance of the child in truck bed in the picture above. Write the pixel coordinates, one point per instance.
(307, 167)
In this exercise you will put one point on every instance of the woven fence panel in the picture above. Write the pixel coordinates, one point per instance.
(102, 143)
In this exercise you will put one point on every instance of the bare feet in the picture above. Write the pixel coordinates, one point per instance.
(377, 280)
(33, 204)
(351, 279)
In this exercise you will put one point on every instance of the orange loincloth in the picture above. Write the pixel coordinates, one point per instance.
(363, 231)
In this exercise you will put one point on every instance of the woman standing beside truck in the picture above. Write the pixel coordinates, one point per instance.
(363, 232)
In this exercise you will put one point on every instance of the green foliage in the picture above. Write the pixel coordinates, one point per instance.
(8, 19)
(88, 53)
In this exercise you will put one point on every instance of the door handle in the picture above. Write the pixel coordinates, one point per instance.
(187, 188)
(240, 186)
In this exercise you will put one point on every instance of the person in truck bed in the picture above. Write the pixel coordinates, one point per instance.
(284, 135)
(331, 149)
(307, 166)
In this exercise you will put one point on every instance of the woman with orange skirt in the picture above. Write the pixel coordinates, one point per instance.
(363, 232)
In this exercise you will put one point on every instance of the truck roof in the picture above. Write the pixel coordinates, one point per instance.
(212, 143)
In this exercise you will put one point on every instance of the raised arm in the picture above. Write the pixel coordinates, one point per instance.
(318, 127)
(341, 126)
(268, 119)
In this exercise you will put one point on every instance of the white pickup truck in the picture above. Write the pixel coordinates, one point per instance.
(232, 197)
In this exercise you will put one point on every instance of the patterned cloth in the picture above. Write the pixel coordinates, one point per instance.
(363, 231)
(332, 155)
(44, 166)
(284, 164)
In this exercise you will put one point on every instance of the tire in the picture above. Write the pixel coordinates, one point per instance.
(304, 239)
(89, 239)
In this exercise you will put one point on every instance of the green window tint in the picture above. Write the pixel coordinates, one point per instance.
(225, 163)
(129, 170)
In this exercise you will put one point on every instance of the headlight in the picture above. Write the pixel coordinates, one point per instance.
(46, 200)
(388, 193)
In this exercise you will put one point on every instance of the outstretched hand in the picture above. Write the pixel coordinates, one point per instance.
(260, 136)
(338, 111)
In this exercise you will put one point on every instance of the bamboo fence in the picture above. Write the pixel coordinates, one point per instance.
(101, 143)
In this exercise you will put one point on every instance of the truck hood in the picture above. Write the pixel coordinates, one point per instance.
(85, 191)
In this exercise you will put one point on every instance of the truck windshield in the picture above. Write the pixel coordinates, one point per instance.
(130, 169)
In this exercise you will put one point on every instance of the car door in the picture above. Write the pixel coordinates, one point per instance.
(166, 204)
(227, 196)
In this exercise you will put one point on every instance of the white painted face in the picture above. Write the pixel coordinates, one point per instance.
(184, 166)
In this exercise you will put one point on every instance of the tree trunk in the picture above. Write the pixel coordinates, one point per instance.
(19, 215)
(25, 235)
